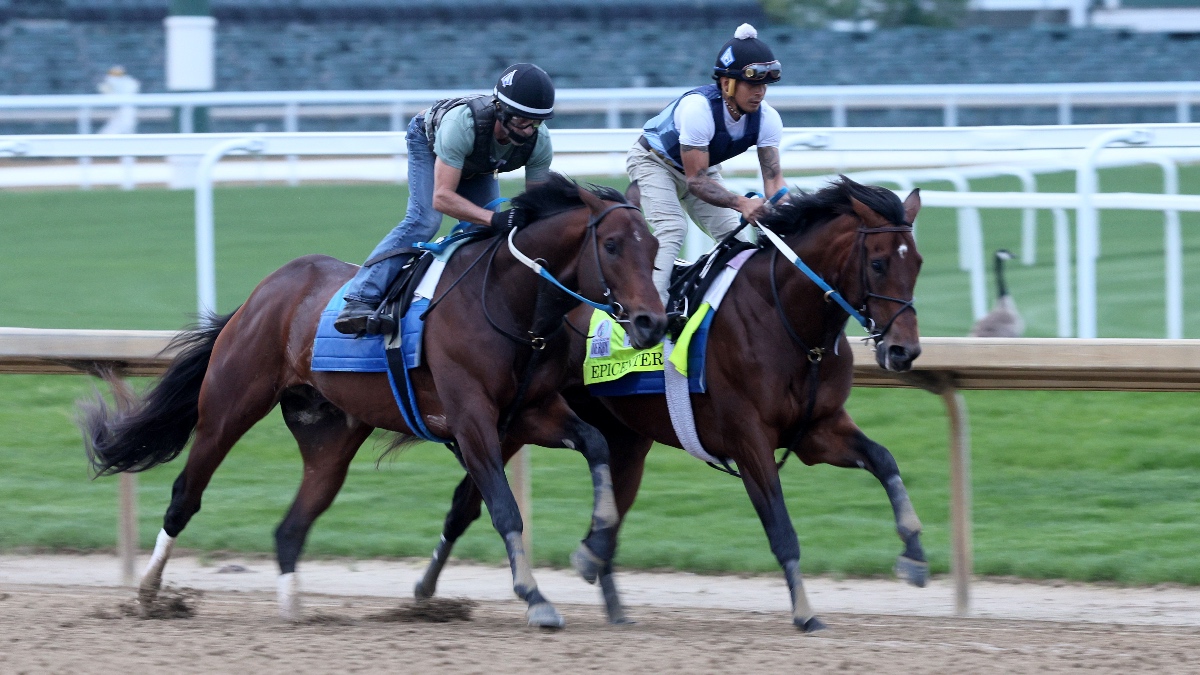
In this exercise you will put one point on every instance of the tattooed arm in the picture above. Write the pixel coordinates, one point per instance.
(695, 163)
(768, 159)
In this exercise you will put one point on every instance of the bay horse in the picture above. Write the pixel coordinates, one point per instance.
(474, 377)
(779, 371)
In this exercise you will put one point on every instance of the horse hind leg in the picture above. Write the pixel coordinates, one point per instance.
(329, 439)
(223, 418)
(464, 510)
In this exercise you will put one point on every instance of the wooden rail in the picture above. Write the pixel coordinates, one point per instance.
(946, 366)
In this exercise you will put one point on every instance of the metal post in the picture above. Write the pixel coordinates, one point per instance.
(127, 530)
(960, 500)
(950, 113)
(839, 112)
(206, 273)
(1062, 271)
(84, 126)
(612, 115)
(1087, 245)
(291, 123)
(1173, 245)
(1183, 109)
(398, 126)
(1064, 109)
(521, 477)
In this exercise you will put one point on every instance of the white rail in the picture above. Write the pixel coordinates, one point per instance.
(290, 106)
(924, 146)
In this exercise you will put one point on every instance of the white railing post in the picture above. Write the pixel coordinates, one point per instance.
(1062, 272)
(1087, 227)
(1064, 109)
(83, 125)
(291, 124)
(206, 275)
(1173, 246)
(838, 112)
(950, 112)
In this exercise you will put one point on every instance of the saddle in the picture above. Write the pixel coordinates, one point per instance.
(690, 281)
(399, 296)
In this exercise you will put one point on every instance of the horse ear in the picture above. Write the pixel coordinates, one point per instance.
(912, 205)
(591, 201)
(866, 214)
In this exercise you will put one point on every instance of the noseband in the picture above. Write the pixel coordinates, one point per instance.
(905, 305)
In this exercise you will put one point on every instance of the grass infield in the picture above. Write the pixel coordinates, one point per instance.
(1088, 486)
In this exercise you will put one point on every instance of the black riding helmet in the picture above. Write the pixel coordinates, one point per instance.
(524, 90)
(747, 58)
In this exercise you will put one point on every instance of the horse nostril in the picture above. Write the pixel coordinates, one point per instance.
(643, 323)
(898, 354)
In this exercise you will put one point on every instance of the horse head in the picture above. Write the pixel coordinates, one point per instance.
(618, 268)
(888, 264)
(597, 242)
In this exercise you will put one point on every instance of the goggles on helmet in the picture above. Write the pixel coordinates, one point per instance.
(761, 71)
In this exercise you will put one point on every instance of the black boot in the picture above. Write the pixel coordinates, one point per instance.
(360, 318)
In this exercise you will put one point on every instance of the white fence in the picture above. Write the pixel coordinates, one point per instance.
(397, 105)
(602, 151)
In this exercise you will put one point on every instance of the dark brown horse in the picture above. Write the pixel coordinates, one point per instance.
(473, 378)
(779, 372)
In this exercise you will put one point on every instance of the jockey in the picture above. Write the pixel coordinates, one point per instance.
(455, 150)
(676, 161)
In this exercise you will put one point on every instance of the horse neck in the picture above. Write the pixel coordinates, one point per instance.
(555, 242)
(828, 250)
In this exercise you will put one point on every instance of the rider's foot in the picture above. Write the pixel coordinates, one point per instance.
(360, 318)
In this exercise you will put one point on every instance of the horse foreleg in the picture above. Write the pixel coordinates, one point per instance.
(838, 441)
(627, 457)
(556, 425)
(479, 443)
(328, 441)
(761, 479)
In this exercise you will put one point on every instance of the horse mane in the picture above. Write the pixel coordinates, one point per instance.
(804, 211)
(559, 194)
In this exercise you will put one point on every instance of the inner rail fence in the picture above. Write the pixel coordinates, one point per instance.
(955, 153)
(619, 107)
(947, 367)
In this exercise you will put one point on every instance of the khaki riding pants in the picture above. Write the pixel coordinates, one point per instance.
(667, 203)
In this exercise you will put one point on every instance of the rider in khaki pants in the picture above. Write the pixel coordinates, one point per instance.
(676, 162)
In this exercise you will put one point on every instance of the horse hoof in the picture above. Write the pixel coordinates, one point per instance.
(421, 592)
(586, 563)
(914, 572)
(811, 626)
(543, 615)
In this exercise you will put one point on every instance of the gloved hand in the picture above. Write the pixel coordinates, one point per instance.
(502, 221)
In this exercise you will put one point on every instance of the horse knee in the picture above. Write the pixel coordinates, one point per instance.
(590, 443)
(181, 508)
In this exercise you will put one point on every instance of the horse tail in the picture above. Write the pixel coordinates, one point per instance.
(140, 434)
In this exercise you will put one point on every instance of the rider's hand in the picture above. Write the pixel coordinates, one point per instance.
(502, 221)
(752, 208)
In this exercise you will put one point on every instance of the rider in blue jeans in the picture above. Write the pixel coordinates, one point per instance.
(455, 150)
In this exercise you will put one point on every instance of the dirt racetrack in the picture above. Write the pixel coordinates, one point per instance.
(82, 627)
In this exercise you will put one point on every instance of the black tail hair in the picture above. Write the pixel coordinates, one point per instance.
(156, 427)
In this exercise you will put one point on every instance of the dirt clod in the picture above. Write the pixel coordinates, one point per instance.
(171, 603)
(432, 610)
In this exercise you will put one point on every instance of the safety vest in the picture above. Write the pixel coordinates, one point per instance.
(484, 113)
(662, 135)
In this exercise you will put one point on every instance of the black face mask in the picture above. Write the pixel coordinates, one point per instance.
(518, 138)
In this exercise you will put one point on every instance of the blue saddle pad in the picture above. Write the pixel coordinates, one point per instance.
(338, 352)
(652, 382)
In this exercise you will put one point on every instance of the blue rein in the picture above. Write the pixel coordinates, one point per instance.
(830, 292)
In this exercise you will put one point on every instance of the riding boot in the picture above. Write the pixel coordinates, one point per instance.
(361, 318)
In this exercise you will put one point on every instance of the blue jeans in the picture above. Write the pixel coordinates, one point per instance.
(420, 222)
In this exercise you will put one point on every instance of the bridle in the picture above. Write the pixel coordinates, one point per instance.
(613, 308)
(860, 313)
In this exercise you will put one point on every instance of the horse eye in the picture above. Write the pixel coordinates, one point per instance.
(611, 247)
(877, 265)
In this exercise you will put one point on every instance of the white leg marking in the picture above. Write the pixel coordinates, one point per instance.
(289, 596)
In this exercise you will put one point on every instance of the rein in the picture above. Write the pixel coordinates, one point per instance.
(861, 314)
